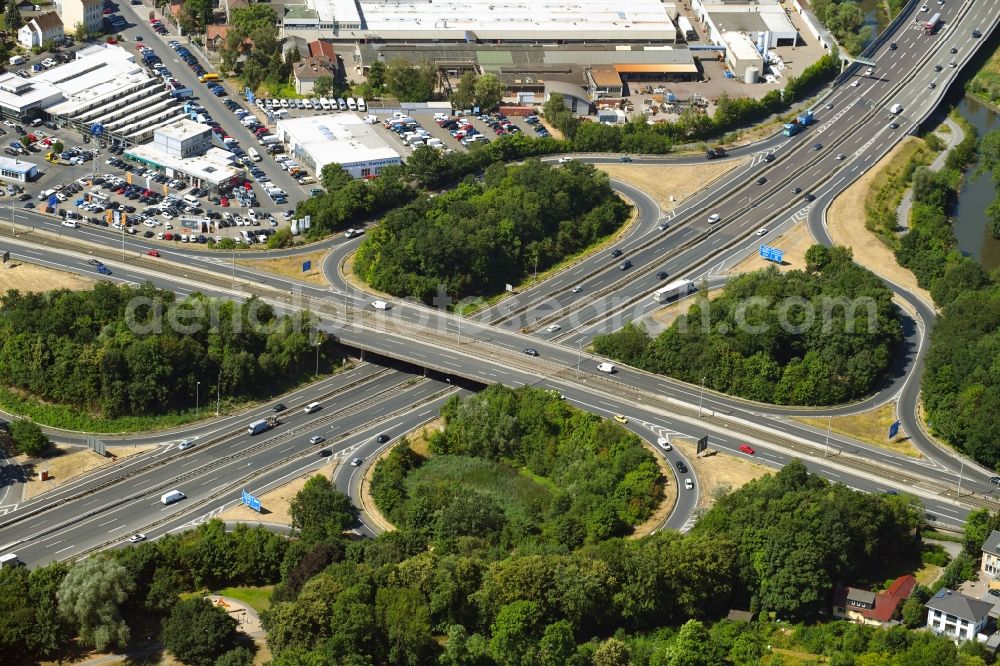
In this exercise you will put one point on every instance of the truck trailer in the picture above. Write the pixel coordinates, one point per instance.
(675, 289)
(794, 127)
(263, 425)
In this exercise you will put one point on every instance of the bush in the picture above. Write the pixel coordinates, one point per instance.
(27, 437)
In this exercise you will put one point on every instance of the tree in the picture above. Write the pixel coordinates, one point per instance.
(817, 257)
(91, 597)
(323, 86)
(515, 634)
(612, 652)
(27, 437)
(403, 614)
(199, 632)
(489, 92)
(319, 511)
(57, 147)
(376, 76)
(80, 32)
(12, 20)
(557, 645)
(195, 15)
(464, 95)
(25, 141)
(240, 656)
(411, 83)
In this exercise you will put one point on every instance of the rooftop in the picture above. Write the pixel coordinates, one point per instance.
(48, 21)
(99, 71)
(741, 46)
(959, 605)
(183, 129)
(310, 69)
(215, 166)
(323, 48)
(344, 139)
(341, 11)
(992, 544)
(885, 603)
(15, 165)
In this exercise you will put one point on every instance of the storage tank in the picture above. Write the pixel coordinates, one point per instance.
(751, 75)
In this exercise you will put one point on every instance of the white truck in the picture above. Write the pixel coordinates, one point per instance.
(172, 496)
(608, 368)
(9, 561)
(675, 289)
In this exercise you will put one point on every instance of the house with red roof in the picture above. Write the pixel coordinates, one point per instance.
(866, 607)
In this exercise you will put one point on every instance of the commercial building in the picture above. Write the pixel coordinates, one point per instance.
(342, 139)
(103, 87)
(40, 29)
(742, 56)
(575, 97)
(765, 21)
(81, 12)
(485, 21)
(17, 170)
(183, 138)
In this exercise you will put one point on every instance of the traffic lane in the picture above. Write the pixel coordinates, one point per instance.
(146, 508)
(133, 478)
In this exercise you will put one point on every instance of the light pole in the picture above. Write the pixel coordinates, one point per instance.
(829, 424)
(961, 471)
(701, 397)
(197, 398)
(218, 393)
(234, 265)
(317, 357)
(579, 357)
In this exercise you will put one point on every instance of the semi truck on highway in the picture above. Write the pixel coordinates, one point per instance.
(794, 127)
(675, 289)
(932, 24)
(262, 425)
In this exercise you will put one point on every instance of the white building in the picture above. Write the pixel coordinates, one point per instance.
(18, 170)
(765, 21)
(487, 21)
(183, 138)
(343, 139)
(990, 563)
(215, 170)
(104, 86)
(40, 29)
(742, 55)
(83, 12)
(957, 616)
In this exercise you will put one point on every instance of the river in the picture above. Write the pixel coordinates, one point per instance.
(969, 221)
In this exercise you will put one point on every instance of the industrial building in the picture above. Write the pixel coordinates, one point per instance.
(485, 21)
(743, 57)
(765, 22)
(342, 139)
(184, 148)
(17, 170)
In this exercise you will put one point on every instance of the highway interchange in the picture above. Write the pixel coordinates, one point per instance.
(98, 510)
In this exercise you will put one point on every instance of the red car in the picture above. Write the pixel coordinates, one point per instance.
(154, 253)
(745, 448)
(168, 236)
(224, 203)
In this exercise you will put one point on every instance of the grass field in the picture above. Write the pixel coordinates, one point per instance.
(257, 598)
(512, 489)
(871, 427)
(985, 85)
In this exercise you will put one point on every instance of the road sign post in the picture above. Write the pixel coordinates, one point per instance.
(771, 254)
(249, 500)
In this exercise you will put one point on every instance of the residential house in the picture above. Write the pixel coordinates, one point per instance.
(81, 12)
(991, 558)
(322, 49)
(865, 607)
(40, 29)
(307, 71)
(957, 616)
(215, 37)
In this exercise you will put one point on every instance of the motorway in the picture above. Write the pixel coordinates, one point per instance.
(856, 126)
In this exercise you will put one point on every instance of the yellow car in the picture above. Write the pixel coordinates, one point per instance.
(620, 418)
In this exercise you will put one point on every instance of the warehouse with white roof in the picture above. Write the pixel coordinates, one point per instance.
(487, 21)
(343, 139)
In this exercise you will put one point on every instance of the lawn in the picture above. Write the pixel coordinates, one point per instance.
(513, 490)
(871, 427)
(258, 598)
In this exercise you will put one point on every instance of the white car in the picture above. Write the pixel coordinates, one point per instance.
(577, 289)
(925, 8)
(689, 484)
(136, 538)
(185, 445)
(70, 223)
(316, 439)
(166, 216)
(357, 462)
(664, 444)
(762, 231)
(9, 123)
(564, 160)
(552, 328)
(150, 223)
(713, 218)
(855, 83)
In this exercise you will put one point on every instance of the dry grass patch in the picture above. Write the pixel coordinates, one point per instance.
(870, 427)
(719, 472)
(666, 505)
(275, 503)
(927, 574)
(793, 243)
(292, 266)
(28, 277)
(846, 223)
(65, 463)
(663, 181)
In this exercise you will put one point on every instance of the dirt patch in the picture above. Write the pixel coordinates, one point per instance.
(420, 439)
(69, 462)
(663, 181)
(292, 266)
(276, 502)
(793, 243)
(556, 134)
(870, 427)
(28, 277)
(667, 314)
(666, 506)
(719, 472)
(846, 226)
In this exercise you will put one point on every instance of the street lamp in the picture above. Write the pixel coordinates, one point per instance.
(579, 357)
(829, 424)
(218, 393)
(701, 397)
(197, 398)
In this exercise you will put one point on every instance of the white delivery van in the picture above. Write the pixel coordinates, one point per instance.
(312, 407)
(17, 60)
(362, 106)
(324, 103)
(607, 367)
(9, 561)
(190, 199)
(172, 496)
(351, 104)
(896, 108)
(380, 305)
(253, 154)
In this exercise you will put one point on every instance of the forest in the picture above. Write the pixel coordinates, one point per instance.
(520, 467)
(483, 234)
(820, 336)
(417, 596)
(121, 350)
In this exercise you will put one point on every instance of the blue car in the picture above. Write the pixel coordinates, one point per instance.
(103, 270)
